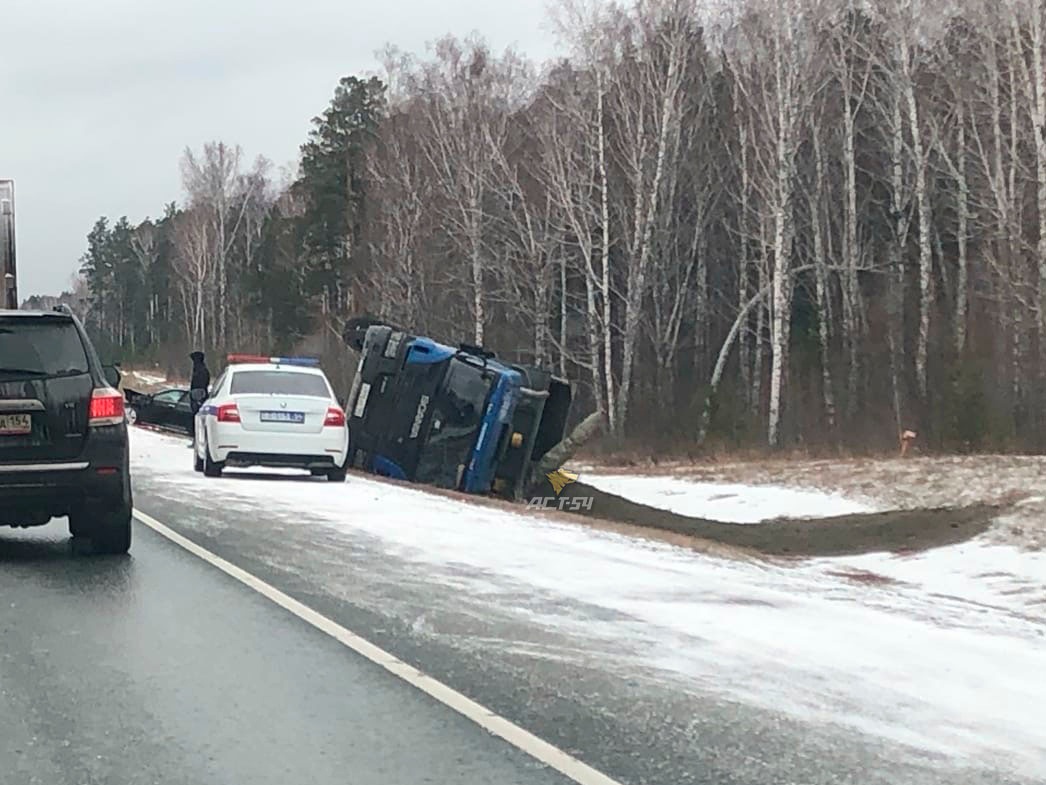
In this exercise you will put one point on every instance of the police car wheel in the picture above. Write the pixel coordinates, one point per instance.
(210, 468)
(197, 461)
(336, 475)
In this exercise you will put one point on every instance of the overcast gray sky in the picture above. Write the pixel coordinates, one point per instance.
(98, 98)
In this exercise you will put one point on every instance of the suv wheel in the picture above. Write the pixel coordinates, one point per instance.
(109, 531)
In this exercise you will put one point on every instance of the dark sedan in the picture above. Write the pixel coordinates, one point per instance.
(167, 408)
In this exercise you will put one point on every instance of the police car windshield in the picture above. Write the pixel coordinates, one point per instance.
(279, 383)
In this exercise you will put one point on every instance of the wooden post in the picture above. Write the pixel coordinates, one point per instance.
(907, 437)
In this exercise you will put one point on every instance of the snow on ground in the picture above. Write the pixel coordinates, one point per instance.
(728, 502)
(980, 572)
(142, 380)
(936, 651)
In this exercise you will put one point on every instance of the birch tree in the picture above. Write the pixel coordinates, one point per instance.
(906, 15)
(574, 173)
(469, 95)
(776, 93)
(213, 181)
(194, 266)
(648, 114)
(850, 38)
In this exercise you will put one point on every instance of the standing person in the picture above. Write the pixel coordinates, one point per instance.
(198, 386)
(199, 382)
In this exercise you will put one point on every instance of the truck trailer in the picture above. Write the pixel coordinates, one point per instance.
(457, 418)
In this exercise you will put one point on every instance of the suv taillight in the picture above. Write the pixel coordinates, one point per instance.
(335, 418)
(106, 407)
(228, 412)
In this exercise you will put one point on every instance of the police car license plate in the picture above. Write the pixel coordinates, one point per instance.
(15, 424)
(294, 417)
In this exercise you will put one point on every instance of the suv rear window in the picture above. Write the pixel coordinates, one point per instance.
(40, 346)
(279, 383)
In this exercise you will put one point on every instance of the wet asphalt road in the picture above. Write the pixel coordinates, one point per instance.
(158, 668)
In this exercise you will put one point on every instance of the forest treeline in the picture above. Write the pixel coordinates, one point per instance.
(811, 222)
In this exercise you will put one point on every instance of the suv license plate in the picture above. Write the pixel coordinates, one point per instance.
(15, 424)
(294, 417)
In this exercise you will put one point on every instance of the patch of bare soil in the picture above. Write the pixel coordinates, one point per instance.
(897, 530)
(1014, 485)
(900, 531)
(865, 577)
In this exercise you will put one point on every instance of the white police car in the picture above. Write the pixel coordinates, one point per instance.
(272, 411)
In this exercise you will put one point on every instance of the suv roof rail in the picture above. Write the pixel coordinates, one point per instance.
(63, 308)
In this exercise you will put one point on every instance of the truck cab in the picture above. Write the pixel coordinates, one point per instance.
(456, 418)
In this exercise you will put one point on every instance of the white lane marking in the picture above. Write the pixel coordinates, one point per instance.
(526, 741)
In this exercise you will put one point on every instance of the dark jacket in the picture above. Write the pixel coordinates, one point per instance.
(201, 377)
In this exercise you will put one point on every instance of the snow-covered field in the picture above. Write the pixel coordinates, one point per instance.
(143, 380)
(979, 572)
(943, 651)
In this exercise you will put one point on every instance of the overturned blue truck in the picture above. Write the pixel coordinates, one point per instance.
(457, 418)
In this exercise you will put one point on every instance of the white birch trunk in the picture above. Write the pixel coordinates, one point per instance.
(851, 292)
(605, 293)
(744, 263)
(786, 78)
(961, 284)
(478, 294)
(821, 275)
(1038, 115)
(923, 203)
(895, 332)
(563, 316)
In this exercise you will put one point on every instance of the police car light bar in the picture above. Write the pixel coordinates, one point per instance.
(310, 362)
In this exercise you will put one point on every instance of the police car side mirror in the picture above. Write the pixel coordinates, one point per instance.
(112, 375)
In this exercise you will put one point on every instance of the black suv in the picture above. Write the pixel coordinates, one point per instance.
(63, 431)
